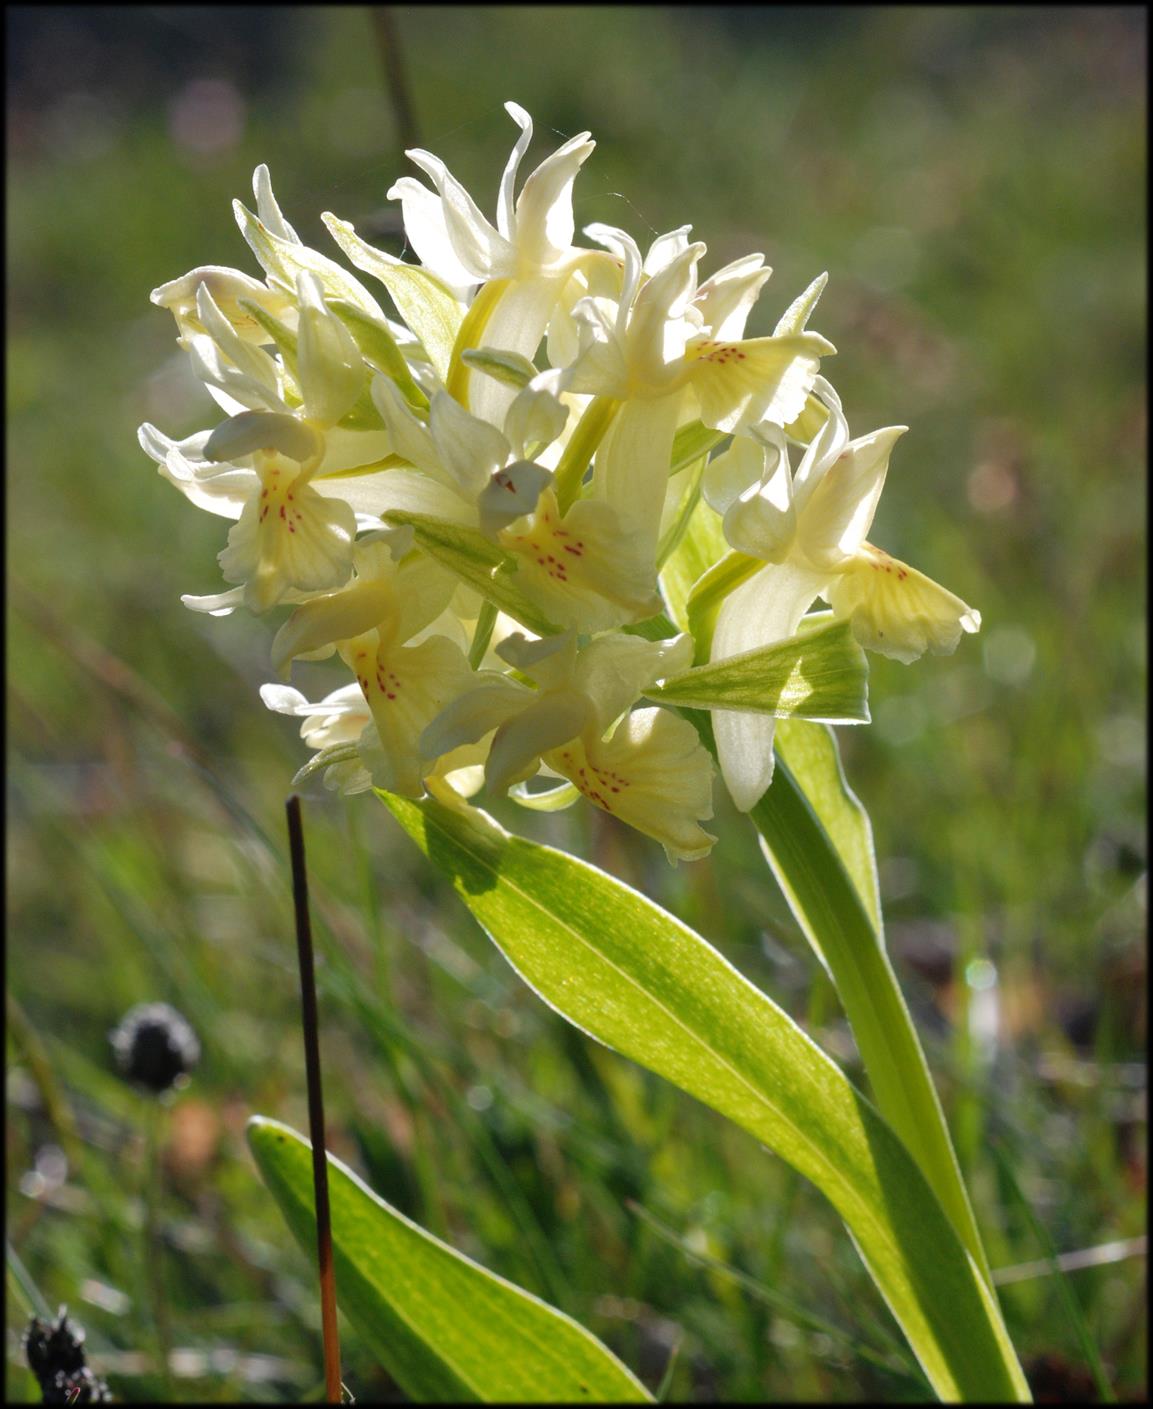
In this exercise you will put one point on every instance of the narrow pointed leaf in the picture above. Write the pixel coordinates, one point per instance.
(812, 755)
(425, 305)
(822, 674)
(444, 1327)
(478, 561)
(284, 261)
(635, 978)
(379, 348)
(816, 842)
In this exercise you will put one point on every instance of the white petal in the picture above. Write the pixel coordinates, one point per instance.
(826, 445)
(726, 299)
(277, 544)
(766, 608)
(516, 324)
(653, 774)
(350, 450)
(548, 722)
(665, 248)
(759, 379)
(260, 430)
(898, 611)
(657, 330)
(481, 250)
(408, 490)
(622, 245)
(252, 361)
(330, 369)
(267, 208)
(408, 686)
(728, 475)
(505, 205)
(424, 226)
(511, 493)
(544, 218)
(840, 509)
(409, 436)
(615, 669)
(479, 710)
(632, 464)
(537, 415)
(217, 603)
(470, 449)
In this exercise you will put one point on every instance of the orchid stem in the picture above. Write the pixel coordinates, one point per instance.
(315, 1103)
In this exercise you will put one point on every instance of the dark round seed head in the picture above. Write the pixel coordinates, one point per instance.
(154, 1046)
(53, 1347)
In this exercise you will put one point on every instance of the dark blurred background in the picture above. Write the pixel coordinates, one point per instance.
(974, 180)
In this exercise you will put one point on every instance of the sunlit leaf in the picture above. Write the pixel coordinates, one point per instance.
(444, 1327)
(636, 979)
(822, 674)
(423, 302)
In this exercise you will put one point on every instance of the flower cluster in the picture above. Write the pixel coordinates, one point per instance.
(480, 504)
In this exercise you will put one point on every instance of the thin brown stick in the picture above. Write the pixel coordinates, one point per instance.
(315, 1103)
(396, 80)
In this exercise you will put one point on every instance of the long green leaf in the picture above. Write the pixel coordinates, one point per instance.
(635, 978)
(445, 1328)
(820, 675)
(812, 833)
(812, 755)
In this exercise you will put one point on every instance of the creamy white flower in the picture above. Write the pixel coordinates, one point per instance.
(651, 771)
(665, 345)
(533, 233)
(227, 287)
(809, 528)
(525, 260)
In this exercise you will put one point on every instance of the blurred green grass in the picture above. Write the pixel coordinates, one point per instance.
(972, 179)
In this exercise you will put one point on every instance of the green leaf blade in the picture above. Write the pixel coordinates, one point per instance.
(820, 675)
(446, 1328)
(637, 980)
(425, 305)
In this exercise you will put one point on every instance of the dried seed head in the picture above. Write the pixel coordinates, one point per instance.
(55, 1354)
(155, 1047)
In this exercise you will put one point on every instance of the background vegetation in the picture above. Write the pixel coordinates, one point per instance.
(973, 179)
